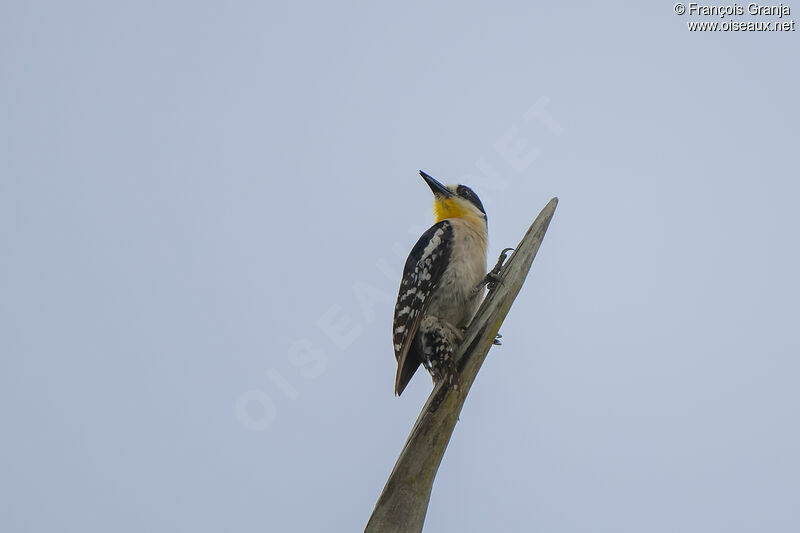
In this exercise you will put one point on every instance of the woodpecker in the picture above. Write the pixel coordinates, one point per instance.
(441, 286)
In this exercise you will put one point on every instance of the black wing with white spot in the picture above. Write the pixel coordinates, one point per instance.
(423, 271)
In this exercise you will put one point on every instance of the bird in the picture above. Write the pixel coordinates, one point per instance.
(441, 287)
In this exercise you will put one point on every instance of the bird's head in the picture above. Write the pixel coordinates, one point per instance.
(454, 201)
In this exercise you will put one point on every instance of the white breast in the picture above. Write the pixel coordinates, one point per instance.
(454, 299)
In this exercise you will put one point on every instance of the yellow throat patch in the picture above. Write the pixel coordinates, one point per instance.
(448, 208)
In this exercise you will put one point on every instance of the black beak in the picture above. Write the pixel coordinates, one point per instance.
(437, 188)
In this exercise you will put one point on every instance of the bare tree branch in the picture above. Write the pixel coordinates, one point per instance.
(403, 503)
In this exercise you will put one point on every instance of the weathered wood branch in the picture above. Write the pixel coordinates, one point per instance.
(404, 501)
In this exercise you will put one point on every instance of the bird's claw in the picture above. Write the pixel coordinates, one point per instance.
(493, 278)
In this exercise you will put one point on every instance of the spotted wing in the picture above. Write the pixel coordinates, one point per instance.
(421, 275)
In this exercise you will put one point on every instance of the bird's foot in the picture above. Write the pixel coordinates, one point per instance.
(490, 281)
(493, 278)
(496, 340)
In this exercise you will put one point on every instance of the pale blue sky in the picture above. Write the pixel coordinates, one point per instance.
(205, 209)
